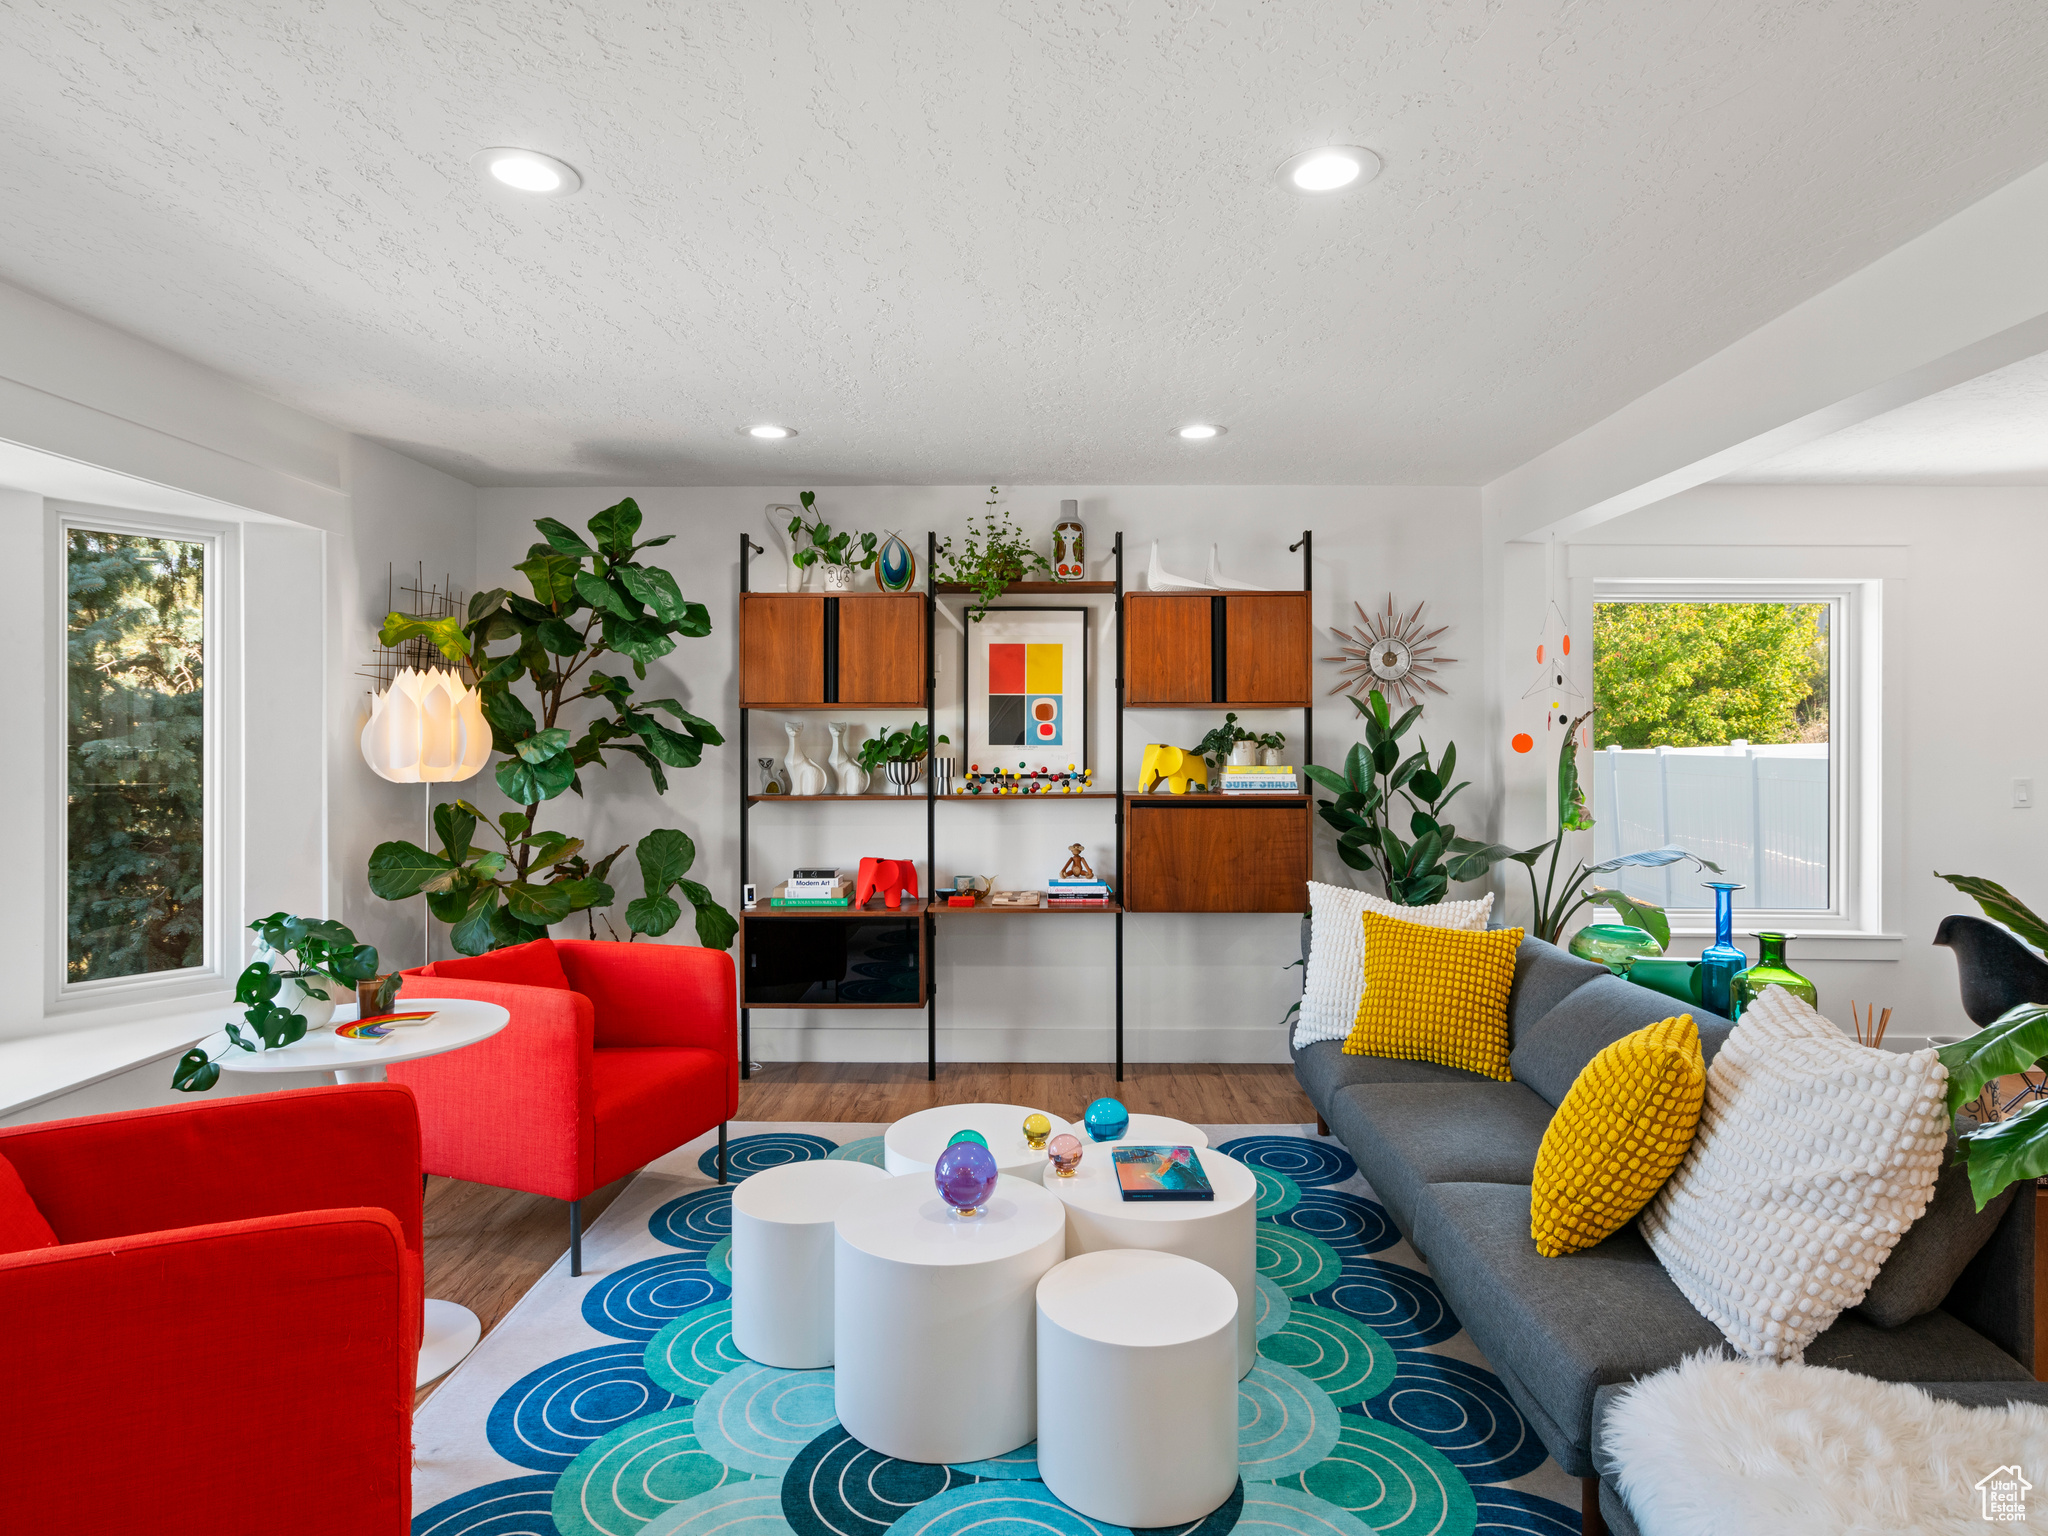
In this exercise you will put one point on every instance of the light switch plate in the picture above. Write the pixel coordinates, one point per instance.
(2023, 794)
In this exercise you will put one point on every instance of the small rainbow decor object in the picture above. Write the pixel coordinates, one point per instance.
(378, 1026)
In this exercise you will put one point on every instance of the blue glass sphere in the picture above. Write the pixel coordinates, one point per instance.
(1106, 1120)
(965, 1175)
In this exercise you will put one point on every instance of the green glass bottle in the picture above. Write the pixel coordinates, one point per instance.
(1615, 945)
(1771, 970)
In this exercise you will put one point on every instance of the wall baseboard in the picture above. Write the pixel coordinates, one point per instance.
(1261, 1043)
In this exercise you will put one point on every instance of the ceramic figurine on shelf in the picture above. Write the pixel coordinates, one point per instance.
(1159, 579)
(1076, 868)
(1223, 583)
(1721, 962)
(892, 877)
(1106, 1119)
(1064, 1153)
(1036, 1129)
(848, 776)
(965, 1176)
(779, 516)
(805, 776)
(1069, 562)
(895, 565)
(1180, 769)
(771, 781)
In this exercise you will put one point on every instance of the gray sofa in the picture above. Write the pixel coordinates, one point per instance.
(1452, 1155)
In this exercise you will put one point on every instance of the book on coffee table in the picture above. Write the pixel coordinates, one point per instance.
(1160, 1173)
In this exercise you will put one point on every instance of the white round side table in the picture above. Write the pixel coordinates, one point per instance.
(1153, 1131)
(452, 1330)
(1137, 1387)
(1220, 1233)
(934, 1336)
(782, 1259)
(913, 1144)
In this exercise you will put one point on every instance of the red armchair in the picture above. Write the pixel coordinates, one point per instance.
(616, 1054)
(224, 1336)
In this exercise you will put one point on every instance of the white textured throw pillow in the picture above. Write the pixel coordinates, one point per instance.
(1336, 952)
(1813, 1155)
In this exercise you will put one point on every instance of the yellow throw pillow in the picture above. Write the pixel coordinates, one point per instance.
(1622, 1130)
(1436, 994)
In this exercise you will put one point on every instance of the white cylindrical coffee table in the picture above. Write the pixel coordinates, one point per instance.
(913, 1144)
(782, 1259)
(1219, 1233)
(1137, 1387)
(935, 1355)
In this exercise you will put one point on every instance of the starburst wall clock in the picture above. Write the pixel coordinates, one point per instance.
(1392, 653)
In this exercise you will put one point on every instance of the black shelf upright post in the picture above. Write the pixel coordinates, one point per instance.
(1307, 546)
(748, 549)
(1122, 884)
(931, 806)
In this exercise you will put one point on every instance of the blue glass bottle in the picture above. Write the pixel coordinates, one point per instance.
(1721, 962)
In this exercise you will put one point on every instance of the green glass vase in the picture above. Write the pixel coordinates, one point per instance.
(1615, 945)
(1771, 970)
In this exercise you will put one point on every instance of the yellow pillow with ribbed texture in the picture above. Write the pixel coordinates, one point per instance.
(1436, 994)
(1622, 1130)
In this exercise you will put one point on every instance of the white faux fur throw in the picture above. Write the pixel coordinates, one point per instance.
(1716, 1447)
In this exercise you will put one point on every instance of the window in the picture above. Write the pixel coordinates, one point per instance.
(1718, 725)
(136, 830)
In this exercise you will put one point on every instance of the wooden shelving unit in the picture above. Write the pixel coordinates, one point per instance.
(806, 651)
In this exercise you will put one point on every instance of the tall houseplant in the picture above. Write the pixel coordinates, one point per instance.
(589, 599)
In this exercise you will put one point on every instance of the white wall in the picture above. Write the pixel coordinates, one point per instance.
(1197, 987)
(1962, 716)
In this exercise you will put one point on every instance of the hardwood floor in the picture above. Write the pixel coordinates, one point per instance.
(486, 1247)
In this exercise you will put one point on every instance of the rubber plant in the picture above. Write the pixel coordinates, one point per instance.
(1376, 784)
(590, 599)
(317, 953)
(1557, 902)
(2002, 1152)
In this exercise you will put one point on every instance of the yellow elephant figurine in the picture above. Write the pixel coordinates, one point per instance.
(1178, 768)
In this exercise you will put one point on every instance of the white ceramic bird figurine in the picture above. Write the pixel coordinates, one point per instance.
(1159, 579)
(1219, 580)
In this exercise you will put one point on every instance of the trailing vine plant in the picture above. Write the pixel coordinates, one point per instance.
(991, 556)
(590, 599)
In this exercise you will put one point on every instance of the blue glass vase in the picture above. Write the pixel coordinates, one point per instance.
(1721, 962)
(1106, 1120)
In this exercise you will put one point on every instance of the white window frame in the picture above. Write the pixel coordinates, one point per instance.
(1855, 735)
(221, 762)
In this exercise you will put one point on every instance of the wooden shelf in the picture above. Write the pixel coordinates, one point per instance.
(912, 907)
(1079, 794)
(942, 910)
(869, 799)
(1142, 798)
(1026, 588)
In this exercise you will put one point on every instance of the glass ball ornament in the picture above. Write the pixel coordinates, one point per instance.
(1106, 1120)
(1064, 1153)
(974, 1136)
(965, 1176)
(1036, 1129)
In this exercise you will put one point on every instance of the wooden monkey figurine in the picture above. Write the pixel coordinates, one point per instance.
(1076, 868)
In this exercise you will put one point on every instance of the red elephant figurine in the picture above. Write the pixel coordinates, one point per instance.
(892, 877)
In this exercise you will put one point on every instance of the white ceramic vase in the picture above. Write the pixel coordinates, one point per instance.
(902, 775)
(805, 776)
(1244, 754)
(778, 516)
(851, 778)
(1269, 757)
(314, 1005)
(838, 578)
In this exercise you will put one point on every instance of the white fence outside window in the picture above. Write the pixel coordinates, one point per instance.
(1761, 813)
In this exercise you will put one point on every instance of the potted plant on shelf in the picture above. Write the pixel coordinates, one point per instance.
(1227, 743)
(900, 754)
(1271, 744)
(830, 552)
(991, 557)
(589, 599)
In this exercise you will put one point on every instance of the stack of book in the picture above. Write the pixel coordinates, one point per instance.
(1076, 893)
(1240, 780)
(813, 888)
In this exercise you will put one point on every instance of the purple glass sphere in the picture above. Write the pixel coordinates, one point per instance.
(965, 1175)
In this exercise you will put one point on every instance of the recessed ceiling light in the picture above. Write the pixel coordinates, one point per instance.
(1199, 431)
(1330, 169)
(768, 432)
(528, 170)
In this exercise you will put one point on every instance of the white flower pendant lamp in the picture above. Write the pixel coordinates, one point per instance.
(427, 727)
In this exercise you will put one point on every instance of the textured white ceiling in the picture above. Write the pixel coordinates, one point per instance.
(1014, 241)
(1990, 431)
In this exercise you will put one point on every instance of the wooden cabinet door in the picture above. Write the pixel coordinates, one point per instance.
(881, 649)
(1166, 649)
(1210, 856)
(782, 650)
(1266, 648)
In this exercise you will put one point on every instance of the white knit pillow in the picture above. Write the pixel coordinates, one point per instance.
(1336, 952)
(1813, 1155)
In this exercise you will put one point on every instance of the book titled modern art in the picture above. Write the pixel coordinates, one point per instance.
(1160, 1173)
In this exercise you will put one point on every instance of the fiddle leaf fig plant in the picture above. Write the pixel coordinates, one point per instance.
(591, 598)
(308, 957)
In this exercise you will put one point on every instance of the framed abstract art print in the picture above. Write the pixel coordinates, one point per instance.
(1027, 689)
